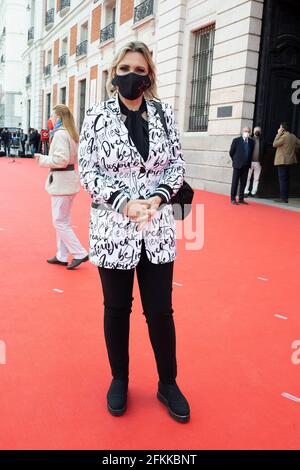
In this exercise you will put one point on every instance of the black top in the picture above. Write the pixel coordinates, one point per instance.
(137, 126)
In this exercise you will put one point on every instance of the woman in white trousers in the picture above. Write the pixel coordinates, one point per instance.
(63, 184)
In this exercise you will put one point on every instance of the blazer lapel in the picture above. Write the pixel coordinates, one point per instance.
(115, 108)
(155, 127)
(156, 131)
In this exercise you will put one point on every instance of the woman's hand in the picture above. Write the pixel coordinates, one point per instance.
(139, 211)
(155, 202)
(142, 211)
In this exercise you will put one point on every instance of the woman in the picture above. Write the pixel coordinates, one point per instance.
(63, 185)
(130, 169)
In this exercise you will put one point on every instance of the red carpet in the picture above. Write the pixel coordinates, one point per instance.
(234, 355)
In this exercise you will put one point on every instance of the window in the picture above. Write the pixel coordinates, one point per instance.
(82, 46)
(201, 80)
(49, 57)
(63, 95)
(82, 94)
(28, 76)
(32, 12)
(143, 9)
(50, 4)
(50, 12)
(28, 114)
(104, 96)
(84, 32)
(62, 61)
(108, 32)
(47, 69)
(48, 106)
(30, 34)
(64, 4)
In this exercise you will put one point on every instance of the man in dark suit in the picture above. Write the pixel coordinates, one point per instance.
(241, 152)
(6, 139)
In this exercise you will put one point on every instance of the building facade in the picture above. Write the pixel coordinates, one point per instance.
(12, 44)
(208, 54)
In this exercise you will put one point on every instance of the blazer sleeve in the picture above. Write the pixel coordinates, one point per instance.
(173, 175)
(60, 152)
(279, 140)
(93, 177)
(232, 148)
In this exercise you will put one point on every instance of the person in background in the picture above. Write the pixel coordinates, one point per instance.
(241, 152)
(23, 139)
(255, 168)
(285, 143)
(6, 139)
(63, 184)
(31, 141)
(37, 140)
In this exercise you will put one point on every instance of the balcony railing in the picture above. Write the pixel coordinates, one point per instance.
(107, 33)
(47, 70)
(64, 7)
(62, 61)
(49, 18)
(143, 10)
(81, 49)
(30, 34)
(28, 80)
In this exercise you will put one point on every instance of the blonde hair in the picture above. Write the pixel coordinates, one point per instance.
(142, 48)
(62, 111)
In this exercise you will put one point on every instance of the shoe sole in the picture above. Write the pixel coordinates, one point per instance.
(114, 412)
(178, 418)
(58, 264)
(70, 269)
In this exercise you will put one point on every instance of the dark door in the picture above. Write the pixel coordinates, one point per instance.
(278, 70)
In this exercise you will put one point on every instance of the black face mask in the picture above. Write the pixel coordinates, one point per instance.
(132, 85)
(257, 133)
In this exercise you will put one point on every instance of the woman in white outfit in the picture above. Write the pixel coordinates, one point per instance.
(63, 185)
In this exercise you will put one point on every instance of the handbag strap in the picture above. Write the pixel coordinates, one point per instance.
(161, 114)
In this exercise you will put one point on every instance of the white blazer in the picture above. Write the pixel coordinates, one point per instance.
(113, 172)
(63, 152)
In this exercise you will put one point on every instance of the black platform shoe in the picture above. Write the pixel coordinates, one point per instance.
(117, 397)
(177, 405)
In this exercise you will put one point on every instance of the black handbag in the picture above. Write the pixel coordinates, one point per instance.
(182, 201)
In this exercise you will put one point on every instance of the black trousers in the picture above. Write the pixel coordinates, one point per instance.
(155, 285)
(240, 175)
(284, 180)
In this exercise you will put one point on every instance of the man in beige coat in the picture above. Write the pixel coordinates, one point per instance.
(286, 144)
